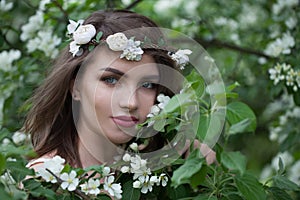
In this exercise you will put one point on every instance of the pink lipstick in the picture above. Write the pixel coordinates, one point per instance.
(125, 121)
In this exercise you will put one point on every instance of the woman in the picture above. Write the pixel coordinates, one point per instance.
(91, 101)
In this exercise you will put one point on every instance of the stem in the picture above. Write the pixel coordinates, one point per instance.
(55, 2)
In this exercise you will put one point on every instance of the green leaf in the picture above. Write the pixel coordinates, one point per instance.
(159, 125)
(129, 192)
(4, 194)
(249, 187)
(176, 101)
(239, 127)
(91, 47)
(284, 183)
(234, 161)
(279, 194)
(18, 170)
(31, 184)
(237, 112)
(2, 163)
(232, 87)
(98, 36)
(184, 173)
(199, 177)
(180, 192)
(103, 197)
(205, 197)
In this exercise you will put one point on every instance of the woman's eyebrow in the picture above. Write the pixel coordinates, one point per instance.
(115, 71)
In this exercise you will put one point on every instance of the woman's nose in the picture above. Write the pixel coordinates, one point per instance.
(129, 99)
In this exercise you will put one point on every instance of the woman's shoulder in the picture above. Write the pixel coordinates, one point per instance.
(39, 162)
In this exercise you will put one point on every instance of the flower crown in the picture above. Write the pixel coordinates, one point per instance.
(131, 50)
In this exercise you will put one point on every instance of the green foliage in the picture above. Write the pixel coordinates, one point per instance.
(237, 35)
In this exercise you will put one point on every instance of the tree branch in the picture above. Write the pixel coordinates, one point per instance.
(76, 191)
(133, 4)
(61, 9)
(218, 43)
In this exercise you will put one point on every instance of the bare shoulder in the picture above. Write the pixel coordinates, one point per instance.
(39, 162)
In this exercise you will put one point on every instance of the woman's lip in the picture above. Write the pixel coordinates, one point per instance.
(125, 121)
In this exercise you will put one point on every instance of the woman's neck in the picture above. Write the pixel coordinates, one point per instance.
(95, 149)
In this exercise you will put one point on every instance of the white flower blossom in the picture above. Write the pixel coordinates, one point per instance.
(43, 3)
(73, 25)
(114, 189)
(125, 169)
(34, 24)
(294, 172)
(91, 187)
(132, 50)
(281, 45)
(7, 58)
(291, 22)
(181, 57)
(134, 146)
(281, 4)
(5, 6)
(70, 181)
(155, 109)
(137, 184)
(286, 158)
(163, 179)
(84, 34)
(75, 49)
(117, 41)
(146, 185)
(126, 157)
(55, 165)
(19, 137)
(106, 171)
(5, 142)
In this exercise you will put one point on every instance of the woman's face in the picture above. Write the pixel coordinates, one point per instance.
(115, 94)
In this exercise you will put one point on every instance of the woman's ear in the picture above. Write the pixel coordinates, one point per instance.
(74, 90)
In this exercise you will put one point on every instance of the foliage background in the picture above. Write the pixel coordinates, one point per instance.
(238, 34)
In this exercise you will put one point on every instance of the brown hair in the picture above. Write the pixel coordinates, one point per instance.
(50, 119)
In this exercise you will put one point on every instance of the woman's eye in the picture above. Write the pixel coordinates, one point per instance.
(110, 80)
(148, 85)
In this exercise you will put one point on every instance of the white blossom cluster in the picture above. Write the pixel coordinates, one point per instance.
(38, 35)
(143, 179)
(281, 4)
(5, 6)
(277, 133)
(230, 24)
(52, 169)
(292, 167)
(281, 45)
(156, 109)
(7, 58)
(131, 48)
(181, 57)
(284, 72)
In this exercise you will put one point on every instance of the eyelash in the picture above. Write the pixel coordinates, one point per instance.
(108, 79)
(112, 80)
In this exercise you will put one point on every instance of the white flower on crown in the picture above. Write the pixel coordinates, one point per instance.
(131, 48)
(73, 26)
(132, 51)
(84, 34)
(117, 42)
(181, 57)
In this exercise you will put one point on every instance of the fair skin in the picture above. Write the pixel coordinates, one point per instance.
(114, 95)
